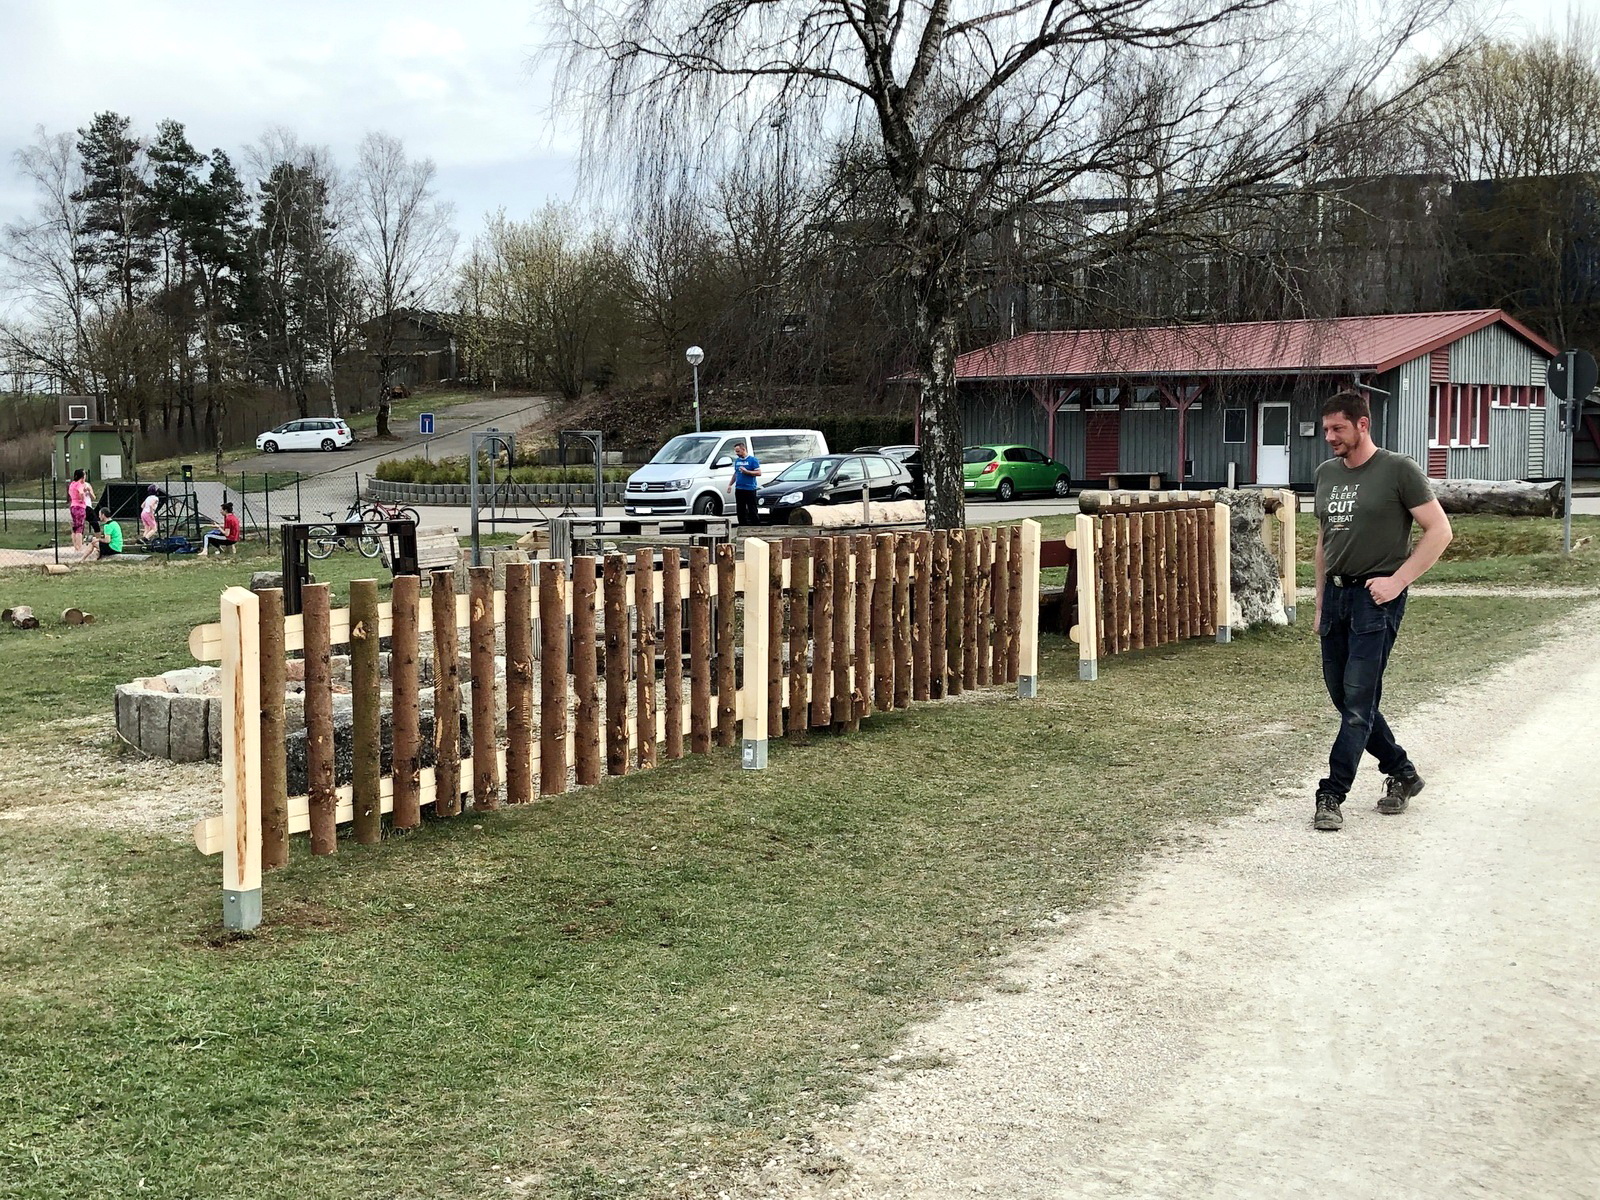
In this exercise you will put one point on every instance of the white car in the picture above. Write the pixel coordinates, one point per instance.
(313, 433)
(693, 473)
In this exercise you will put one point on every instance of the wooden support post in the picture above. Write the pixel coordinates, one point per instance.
(1205, 587)
(955, 621)
(446, 697)
(1000, 589)
(1169, 524)
(241, 758)
(778, 551)
(1152, 578)
(366, 714)
(553, 674)
(672, 650)
(1191, 551)
(727, 687)
(314, 610)
(616, 599)
(1221, 568)
(985, 606)
(586, 767)
(799, 625)
(699, 650)
(480, 648)
(519, 682)
(1030, 538)
(1136, 581)
(644, 655)
(883, 624)
(843, 621)
(936, 637)
(753, 696)
(1288, 513)
(1105, 596)
(1087, 631)
(274, 767)
(866, 594)
(822, 631)
(1180, 520)
(405, 683)
(1014, 616)
(923, 631)
(972, 621)
(902, 620)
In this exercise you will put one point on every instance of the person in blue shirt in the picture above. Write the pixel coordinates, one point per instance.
(746, 478)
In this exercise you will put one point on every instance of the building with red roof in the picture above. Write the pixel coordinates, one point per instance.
(1463, 393)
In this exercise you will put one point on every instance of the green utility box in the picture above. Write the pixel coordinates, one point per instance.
(83, 442)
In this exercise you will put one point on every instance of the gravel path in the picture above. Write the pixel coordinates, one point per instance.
(1405, 1009)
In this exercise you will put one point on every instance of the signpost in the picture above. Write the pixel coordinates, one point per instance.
(1572, 376)
(425, 428)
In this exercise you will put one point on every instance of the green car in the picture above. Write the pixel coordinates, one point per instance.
(1007, 471)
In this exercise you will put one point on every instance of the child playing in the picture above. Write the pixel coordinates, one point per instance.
(229, 533)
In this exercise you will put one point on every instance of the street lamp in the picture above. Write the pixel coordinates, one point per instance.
(696, 356)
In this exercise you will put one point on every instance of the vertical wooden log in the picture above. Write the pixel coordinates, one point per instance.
(644, 655)
(1185, 574)
(1014, 614)
(553, 674)
(405, 684)
(446, 696)
(1221, 569)
(1029, 545)
(366, 714)
(843, 621)
(320, 798)
(822, 631)
(753, 696)
(274, 768)
(902, 620)
(777, 629)
(1087, 631)
(1197, 622)
(923, 630)
(1204, 587)
(1152, 578)
(519, 683)
(1000, 589)
(866, 593)
(480, 649)
(1171, 522)
(1288, 513)
(883, 624)
(1125, 588)
(970, 611)
(955, 611)
(699, 650)
(585, 673)
(938, 614)
(1104, 546)
(985, 606)
(672, 650)
(727, 686)
(241, 757)
(1136, 591)
(616, 598)
(799, 614)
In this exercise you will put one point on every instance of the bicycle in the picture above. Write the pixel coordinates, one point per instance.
(323, 540)
(377, 510)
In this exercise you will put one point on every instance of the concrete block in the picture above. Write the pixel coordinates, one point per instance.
(187, 728)
(127, 707)
(155, 723)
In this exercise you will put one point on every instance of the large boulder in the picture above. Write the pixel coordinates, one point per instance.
(1257, 588)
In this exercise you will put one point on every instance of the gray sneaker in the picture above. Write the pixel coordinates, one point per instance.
(1328, 819)
(1398, 791)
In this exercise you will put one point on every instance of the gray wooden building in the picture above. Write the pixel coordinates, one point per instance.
(1463, 393)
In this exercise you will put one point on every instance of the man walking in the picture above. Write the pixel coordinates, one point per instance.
(1367, 498)
(746, 478)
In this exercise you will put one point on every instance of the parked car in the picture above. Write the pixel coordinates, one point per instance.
(694, 471)
(1007, 471)
(314, 433)
(832, 479)
(910, 457)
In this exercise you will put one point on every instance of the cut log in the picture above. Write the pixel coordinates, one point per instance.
(75, 616)
(884, 512)
(1506, 498)
(1096, 500)
(56, 569)
(21, 617)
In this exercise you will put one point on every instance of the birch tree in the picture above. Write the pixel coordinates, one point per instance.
(978, 115)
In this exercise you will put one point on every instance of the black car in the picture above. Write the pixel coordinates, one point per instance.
(832, 479)
(910, 457)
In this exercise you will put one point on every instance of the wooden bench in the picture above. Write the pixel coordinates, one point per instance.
(438, 549)
(1153, 478)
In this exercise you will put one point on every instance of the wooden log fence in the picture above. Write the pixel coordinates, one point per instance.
(802, 635)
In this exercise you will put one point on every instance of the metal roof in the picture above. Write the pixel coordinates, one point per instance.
(1374, 344)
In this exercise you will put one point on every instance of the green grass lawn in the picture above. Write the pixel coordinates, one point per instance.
(606, 993)
(1493, 550)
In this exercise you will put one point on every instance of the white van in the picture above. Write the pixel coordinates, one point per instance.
(694, 471)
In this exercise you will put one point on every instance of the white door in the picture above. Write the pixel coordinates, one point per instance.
(1272, 446)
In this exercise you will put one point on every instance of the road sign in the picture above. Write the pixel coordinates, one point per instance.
(425, 422)
(1573, 374)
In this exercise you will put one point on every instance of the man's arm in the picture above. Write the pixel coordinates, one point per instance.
(1436, 535)
(1321, 568)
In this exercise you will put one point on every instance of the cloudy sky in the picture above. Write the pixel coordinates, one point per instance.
(453, 81)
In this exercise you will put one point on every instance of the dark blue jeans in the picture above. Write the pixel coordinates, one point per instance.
(1357, 636)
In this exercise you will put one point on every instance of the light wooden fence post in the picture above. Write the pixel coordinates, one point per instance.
(552, 675)
(644, 656)
(480, 651)
(1086, 631)
(274, 765)
(585, 674)
(1222, 570)
(672, 650)
(1027, 631)
(727, 696)
(519, 684)
(1288, 513)
(753, 697)
(241, 759)
(616, 632)
(366, 715)
(322, 801)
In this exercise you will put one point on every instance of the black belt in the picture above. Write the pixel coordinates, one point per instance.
(1343, 581)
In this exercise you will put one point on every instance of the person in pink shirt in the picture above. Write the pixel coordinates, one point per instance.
(229, 533)
(80, 495)
(147, 512)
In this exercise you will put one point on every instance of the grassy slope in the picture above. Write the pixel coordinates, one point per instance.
(681, 967)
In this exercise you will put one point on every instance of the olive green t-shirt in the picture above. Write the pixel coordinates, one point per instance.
(1365, 512)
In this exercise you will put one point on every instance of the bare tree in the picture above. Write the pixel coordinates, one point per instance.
(977, 114)
(402, 240)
